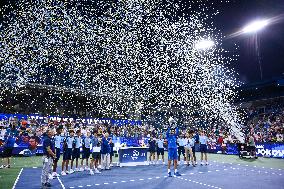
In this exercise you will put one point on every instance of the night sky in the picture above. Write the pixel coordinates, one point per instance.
(235, 15)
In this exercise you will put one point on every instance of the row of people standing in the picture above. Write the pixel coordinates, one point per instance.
(102, 152)
(186, 145)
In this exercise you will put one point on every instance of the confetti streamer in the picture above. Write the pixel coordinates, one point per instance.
(127, 57)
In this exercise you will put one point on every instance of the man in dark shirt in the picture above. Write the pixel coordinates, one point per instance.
(152, 149)
(8, 148)
(47, 159)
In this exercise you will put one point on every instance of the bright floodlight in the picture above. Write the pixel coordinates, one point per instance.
(255, 26)
(204, 44)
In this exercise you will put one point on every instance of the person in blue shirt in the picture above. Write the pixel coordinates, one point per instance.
(76, 151)
(96, 153)
(203, 146)
(8, 149)
(172, 135)
(47, 158)
(57, 142)
(68, 145)
(86, 145)
(105, 152)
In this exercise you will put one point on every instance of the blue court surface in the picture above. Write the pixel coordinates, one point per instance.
(218, 175)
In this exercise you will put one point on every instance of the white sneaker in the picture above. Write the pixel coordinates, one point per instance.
(81, 169)
(63, 173)
(111, 165)
(76, 170)
(54, 174)
(99, 166)
(164, 163)
(91, 172)
(50, 177)
(87, 168)
(207, 163)
(97, 171)
(201, 163)
(71, 171)
(2, 166)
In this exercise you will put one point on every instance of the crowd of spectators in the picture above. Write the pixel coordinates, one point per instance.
(265, 126)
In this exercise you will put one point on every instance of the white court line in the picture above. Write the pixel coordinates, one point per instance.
(62, 185)
(17, 179)
(200, 183)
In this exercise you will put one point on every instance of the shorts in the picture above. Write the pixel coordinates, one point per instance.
(57, 152)
(160, 151)
(172, 154)
(203, 148)
(152, 150)
(7, 152)
(181, 150)
(67, 154)
(76, 153)
(86, 153)
(96, 155)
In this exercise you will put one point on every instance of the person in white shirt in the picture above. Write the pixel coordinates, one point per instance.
(180, 142)
(160, 148)
(76, 150)
(203, 147)
(189, 144)
(96, 153)
(2, 133)
(67, 152)
(57, 140)
(86, 144)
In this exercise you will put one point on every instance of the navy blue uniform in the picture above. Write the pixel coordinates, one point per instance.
(105, 148)
(152, 146)
(8, 147)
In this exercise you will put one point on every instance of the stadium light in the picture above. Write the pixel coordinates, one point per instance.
(255, 26)
(204, 44)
